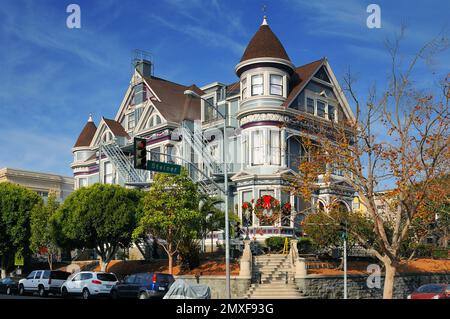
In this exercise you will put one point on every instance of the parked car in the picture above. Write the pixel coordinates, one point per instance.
(88, 284)
(182, 289)
(143, 286)
(43, 282)
(9, 285)
(431, 291)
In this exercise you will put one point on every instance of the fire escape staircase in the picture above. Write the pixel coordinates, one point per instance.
(123, 163)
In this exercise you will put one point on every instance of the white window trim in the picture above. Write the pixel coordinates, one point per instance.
(316, 97)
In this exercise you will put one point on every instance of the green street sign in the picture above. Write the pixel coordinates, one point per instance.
(18, 259)
(164, 167)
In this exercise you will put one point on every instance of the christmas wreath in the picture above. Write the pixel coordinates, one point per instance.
(267, 209)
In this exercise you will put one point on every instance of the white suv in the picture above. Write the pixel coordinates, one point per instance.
(89, 283)
(43, 282)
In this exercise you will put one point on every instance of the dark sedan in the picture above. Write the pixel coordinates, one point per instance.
(9, 285)
(143, 286)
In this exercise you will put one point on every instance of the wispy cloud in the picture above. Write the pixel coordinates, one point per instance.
(201, 34)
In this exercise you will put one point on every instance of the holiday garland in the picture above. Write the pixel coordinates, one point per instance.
(267, 208)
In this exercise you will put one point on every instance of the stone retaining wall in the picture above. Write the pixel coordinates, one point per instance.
(239, 285)
(332, 287)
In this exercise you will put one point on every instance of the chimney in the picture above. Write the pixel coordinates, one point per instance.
(144, 67)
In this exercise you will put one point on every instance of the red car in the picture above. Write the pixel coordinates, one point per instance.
(431, 291)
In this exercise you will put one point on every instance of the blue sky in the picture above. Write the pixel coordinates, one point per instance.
(52, 77)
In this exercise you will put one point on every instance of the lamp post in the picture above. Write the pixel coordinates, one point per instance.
(247, 221)
(225, 191)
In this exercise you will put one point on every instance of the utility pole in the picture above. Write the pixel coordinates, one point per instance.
(344, 234)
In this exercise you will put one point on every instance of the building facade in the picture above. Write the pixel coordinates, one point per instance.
(41, 183)
(264, 144)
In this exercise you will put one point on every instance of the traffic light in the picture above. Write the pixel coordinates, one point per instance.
(343, 229)
(140, 153)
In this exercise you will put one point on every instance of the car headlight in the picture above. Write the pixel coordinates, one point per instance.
(436, 297)
(408, 297)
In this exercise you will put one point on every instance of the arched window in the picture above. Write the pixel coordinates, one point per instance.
(342, 207)
(321, 207)
(107, 136)
(154, 120)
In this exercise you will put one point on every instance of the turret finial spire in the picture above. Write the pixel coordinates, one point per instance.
(264, 7)
(90, 118)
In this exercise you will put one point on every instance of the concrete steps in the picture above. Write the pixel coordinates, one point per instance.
(273, 269)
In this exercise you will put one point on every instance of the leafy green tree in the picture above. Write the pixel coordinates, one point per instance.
(324, 228)
(100, 217)
(170, 212)
(16, 203)
(43, 239)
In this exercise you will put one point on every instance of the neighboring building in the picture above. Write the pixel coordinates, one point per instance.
(262, 110)
(41, 183)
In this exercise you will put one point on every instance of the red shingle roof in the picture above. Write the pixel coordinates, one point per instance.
(174, 105)
(116, 128)
(86, 135)
(264, 44)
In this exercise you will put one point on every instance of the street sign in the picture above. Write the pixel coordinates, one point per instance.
(164, 167)
(18, 259)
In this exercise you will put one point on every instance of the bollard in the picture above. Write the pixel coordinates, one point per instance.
(260, 277)
(287, 278)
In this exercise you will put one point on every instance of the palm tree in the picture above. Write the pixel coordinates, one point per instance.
(213, 218)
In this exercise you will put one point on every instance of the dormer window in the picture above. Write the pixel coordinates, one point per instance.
(257, 84)
(153, 121)
(320, 109)
(276, 84)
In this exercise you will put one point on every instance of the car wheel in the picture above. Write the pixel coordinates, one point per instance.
(143, 295)
(41, 291)
(21, 290)
(8, 291)
(86, 293)
(64, 293)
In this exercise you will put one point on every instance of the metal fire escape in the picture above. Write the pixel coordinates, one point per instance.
(197, 142)
(123, 163)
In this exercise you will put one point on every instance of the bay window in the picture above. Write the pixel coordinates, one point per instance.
(257, 148)
(244, 88)
(257, 85)
(276, 84)
(274, 150)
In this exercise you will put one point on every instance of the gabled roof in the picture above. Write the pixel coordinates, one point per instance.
(300, 77)
(264, 44)
(172, 103)
(87, 134)
(233, 88)
(116, 128)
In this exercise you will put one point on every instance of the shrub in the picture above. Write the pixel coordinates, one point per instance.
(189, 253)
(305, 245)
(275, 243)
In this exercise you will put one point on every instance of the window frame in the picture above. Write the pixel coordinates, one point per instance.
(253, 85)
(272, 85)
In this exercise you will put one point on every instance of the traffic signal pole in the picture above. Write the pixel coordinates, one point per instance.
(345, 266)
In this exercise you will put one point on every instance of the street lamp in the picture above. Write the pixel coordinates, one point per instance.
(225, 191)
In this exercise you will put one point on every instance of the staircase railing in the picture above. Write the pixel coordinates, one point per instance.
(122, 163)
(195, 140)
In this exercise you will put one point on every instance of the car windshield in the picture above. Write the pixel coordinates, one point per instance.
(106, 277)
(431, 289)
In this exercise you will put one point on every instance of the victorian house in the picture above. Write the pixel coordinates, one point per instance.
(263, 151)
